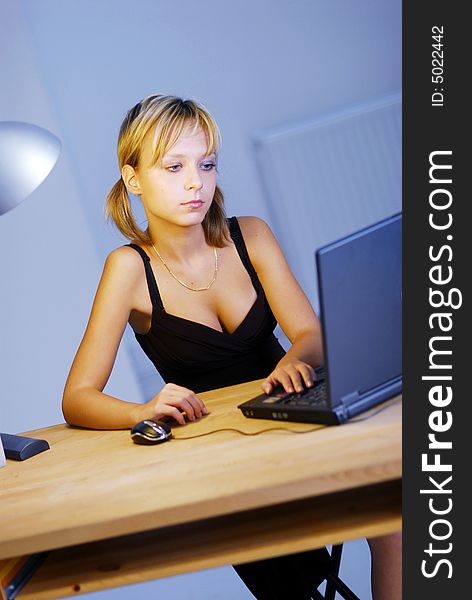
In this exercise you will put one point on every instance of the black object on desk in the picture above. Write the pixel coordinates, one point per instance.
(151, 432)
(20, 447)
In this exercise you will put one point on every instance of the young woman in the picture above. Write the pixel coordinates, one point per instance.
(203, 294)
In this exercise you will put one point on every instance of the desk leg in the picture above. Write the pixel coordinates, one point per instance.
(16, 572)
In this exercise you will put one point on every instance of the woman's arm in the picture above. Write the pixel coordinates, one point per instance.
(83, 401)
(290, 306)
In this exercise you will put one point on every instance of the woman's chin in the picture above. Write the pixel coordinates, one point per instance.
(192, 216)
(190, 219)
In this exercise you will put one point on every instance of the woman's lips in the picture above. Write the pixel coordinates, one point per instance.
(193, 203)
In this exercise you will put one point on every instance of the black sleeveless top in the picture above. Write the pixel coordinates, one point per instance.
(201, 358)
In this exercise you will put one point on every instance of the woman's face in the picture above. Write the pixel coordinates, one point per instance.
(181, 186)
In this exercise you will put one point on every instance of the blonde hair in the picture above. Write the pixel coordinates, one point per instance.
(167, 116)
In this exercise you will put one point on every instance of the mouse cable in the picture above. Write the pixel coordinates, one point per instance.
(379, 410)
(243, 432)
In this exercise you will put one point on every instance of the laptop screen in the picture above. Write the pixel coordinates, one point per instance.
(359, 282)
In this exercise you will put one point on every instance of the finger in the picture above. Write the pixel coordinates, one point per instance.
(294, 372)
(203, 408)
(197, 405)
(189, 405)
(296, 378)
(176, 398)
(172, 411)
(284, 379)
(269, 384)
(308, 375)
(184, 406)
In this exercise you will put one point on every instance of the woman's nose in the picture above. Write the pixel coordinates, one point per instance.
(194, 180)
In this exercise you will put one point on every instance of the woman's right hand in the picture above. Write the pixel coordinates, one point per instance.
(172, 401)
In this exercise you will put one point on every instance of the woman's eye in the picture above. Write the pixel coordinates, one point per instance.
(205, 166)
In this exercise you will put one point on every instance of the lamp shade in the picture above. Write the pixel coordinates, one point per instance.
(27, 155)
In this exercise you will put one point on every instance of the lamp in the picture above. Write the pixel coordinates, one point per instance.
(27, 155)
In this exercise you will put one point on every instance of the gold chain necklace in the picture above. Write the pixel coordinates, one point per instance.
(201, 289)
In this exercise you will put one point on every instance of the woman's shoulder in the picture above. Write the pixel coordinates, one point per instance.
(252, 226)
(255, 230)
(121, 278)
(259, 239)
(124, 260)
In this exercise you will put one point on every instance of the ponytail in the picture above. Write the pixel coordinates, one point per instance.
(118, 209)
(214, 224)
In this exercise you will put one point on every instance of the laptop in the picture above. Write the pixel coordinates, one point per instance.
(359, 285)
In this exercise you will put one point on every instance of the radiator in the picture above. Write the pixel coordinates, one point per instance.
(328, 176)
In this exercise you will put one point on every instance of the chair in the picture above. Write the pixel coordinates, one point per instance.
(333, 582)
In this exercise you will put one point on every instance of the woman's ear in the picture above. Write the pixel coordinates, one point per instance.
(130, 177)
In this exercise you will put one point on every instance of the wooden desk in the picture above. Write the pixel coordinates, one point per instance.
(115, 513)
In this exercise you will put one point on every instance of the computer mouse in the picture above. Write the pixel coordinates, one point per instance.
(151, 432)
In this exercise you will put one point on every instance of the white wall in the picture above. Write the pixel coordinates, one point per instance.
(49, 265)
(254, 64)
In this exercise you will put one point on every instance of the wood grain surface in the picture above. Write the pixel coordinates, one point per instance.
(250, 535)
(93, 485)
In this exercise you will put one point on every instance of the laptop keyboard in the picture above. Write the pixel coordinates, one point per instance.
(315, 396)
(312, 397)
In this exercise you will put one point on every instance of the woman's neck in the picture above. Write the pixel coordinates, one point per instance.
(176, 242)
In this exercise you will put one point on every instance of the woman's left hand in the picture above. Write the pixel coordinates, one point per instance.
(294, 375)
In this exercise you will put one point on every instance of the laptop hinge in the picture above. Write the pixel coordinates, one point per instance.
(341, 412)
(355, 396)
(350, 398)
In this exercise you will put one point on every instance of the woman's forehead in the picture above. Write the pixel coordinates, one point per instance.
(192, 142)
(189, 139)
